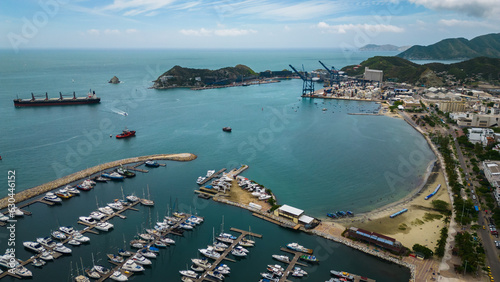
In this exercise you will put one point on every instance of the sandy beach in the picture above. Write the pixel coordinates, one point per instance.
(421, 224)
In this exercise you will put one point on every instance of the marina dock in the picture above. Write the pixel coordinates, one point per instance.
(89, 228)
(244, 233)
(291, 265)
(151, 243)
(212, 176)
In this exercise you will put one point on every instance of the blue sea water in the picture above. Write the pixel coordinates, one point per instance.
(316, 160)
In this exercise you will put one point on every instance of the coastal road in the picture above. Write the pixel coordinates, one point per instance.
(484, 234)
(488, 242)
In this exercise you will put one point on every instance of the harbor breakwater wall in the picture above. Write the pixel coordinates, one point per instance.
(286, 223)
(38, 190)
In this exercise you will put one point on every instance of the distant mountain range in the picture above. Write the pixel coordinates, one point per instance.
(402, 70)
(385, 47)
(456, 49)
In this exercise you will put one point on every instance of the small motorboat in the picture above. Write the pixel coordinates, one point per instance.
(97, 215)
(132, 198)
(101, 179)
(227, 129)
(197, 268)
(139, 259)
(46, 242)
(80, 238)
(189, 273)
(282, 258)
(22, 271)
(73, 191)
(152, 163)
(67, 229)
(47, 256)
(309, 258)
(38, 262)
(115, 258)
(147, 254)
(84, 187)
(215, 274)
(52, 198)
(63, 194)
(101, 269)
(238, 253)
(116, 206)
(167, 240)
(87, 219)
(16, 211)
(125, 172)
(104, 226)
(118, 276)
(200, 180)
(92, 273)
(74, 242)
(130, 265)
(147, 202)
(82, 278)
(106, 210)
(125, 134)
(58, 235)
(34, 246)
(60, 248)
(204, 263)
(113, 176)
(124, 253)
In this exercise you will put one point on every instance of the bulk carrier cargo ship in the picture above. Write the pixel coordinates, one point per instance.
(91, 98)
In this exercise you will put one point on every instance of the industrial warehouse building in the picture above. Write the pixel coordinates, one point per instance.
(376, 239)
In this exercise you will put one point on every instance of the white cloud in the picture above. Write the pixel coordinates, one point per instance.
(111, 31)
(217, 32)
(93, 32)
(476, 8)
(131, 30)
(137, 7)
(367, 28)
(281, 10)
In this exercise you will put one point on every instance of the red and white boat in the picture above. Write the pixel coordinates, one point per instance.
(126, 133)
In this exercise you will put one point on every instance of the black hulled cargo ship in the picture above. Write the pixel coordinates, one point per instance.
(91, 98)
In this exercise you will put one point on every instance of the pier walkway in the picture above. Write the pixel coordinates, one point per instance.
(150, 243)
(244, 233)
(212, 176)
(291, 264)
(89, 229)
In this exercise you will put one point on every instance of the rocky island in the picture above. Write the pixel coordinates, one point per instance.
(114, 80)
(196, 78)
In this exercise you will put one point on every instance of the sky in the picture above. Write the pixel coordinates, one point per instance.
(233, 24)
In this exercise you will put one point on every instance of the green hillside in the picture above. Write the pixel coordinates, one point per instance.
(401, 70)
(456, 48)
(188, 77)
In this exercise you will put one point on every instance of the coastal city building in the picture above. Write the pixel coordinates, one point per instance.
(450, 106)
(492, 172)
(478, 120)
(377, 239)
(294, 214)
(373, 75)
(484, 136)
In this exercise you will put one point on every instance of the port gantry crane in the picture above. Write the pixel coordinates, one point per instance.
(334, 74)
(307, 85)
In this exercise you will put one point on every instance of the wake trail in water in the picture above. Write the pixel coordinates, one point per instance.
(44, 145)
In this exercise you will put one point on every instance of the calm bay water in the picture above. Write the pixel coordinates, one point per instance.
(316, 160)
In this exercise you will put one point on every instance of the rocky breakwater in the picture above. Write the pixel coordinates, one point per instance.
(38, 190)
